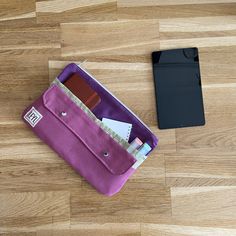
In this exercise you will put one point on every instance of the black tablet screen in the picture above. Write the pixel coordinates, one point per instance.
(178, 88)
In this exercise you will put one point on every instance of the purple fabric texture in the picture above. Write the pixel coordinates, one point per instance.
(110, 107)
(80, 141)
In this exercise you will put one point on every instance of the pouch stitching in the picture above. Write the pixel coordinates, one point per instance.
(61, 120)
(80, 70)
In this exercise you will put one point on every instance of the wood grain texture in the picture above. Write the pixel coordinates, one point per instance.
(186, 170)
(115, 229)
(35, 204)
(57, 11)
(147, 10)
(187, 186)
(126, 207)
(176, 230)
(118, 38)
(204, 204)
(17, 10)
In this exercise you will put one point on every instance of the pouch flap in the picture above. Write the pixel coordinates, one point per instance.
(110, 153)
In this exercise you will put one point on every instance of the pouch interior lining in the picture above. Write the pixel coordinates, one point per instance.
(90, 114)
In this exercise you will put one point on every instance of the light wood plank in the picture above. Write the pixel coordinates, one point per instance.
(154, 10)
(34, 224)
(216, 137)
(224, 98)
(200, 170)
(24, 53)
(30, 204)
(136, 3)
(15, 138)
(204, 204)
(178, 230)
(19, 234)
(46, 172)
(115, 38)
(137, 201)
(57, 11)
(198, 24)
(198, 42)
(217, 67)
(115, 229)
(30, 38)
(15, 10)
(153, 170)
(58, 6)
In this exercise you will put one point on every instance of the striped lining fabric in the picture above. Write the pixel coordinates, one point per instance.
(90, 114)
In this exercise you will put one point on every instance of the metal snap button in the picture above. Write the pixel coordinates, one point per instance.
(63, 113)
(105, 154)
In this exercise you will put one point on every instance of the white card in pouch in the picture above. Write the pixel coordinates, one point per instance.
(123, 129)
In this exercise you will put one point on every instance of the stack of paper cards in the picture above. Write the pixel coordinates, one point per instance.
(123, 129)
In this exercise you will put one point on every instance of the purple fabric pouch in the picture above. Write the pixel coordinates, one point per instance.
(63, 122)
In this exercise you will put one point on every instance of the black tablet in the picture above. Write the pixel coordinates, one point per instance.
(178, 88)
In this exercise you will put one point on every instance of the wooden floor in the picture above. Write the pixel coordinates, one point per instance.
(187, 186)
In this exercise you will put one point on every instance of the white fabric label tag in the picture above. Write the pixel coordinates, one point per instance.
(33, 117)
